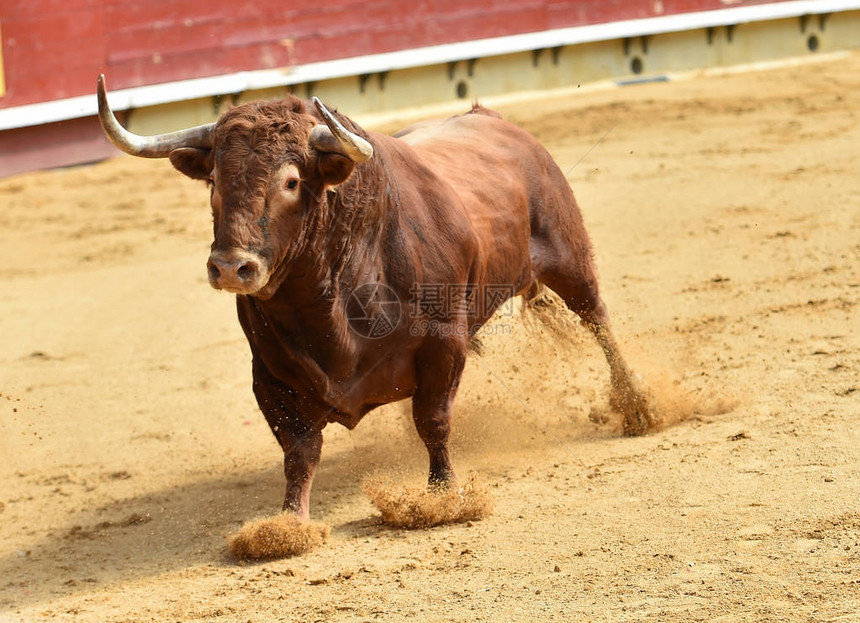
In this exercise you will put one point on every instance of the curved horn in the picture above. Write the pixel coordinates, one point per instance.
(158, 146)
(333, 137)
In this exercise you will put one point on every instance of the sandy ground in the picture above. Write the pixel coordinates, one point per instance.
(725, 212)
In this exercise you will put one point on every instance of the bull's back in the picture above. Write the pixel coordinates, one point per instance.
(503, 177)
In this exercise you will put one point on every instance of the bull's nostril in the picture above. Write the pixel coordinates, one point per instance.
(214, 273)
(245, 272)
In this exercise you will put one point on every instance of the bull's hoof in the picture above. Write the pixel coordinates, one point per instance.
(442, 481)
(638, 422)
(634, 404)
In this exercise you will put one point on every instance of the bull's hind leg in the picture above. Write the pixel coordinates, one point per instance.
(578, 288)
(439, 366)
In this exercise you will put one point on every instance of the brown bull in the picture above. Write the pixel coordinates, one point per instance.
(364, 263)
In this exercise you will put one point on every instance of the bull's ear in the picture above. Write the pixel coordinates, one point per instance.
(334, 168)
(194, 162)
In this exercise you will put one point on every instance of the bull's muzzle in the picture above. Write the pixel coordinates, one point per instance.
(240, 272)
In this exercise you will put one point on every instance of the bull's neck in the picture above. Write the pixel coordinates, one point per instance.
(341, 251)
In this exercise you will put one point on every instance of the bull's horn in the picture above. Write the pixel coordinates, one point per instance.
(333, 137)
(158, 146)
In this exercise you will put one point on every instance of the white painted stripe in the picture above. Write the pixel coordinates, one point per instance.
(85, 105)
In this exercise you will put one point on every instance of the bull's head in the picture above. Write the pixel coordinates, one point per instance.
(268, 164)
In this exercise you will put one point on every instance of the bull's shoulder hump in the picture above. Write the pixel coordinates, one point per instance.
(461, 128)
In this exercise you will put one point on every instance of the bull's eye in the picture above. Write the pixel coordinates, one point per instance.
(292, 184)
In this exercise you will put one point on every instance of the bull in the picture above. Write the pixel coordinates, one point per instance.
(331, 237)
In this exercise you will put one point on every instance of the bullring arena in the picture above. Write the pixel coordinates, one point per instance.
(725, 214)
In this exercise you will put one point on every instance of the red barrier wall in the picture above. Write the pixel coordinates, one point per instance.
(53, 49)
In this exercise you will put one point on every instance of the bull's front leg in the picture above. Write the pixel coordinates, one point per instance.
(299, 435)
(301, 458)
(439, 366)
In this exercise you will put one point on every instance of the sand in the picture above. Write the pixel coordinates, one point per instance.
(725, 213)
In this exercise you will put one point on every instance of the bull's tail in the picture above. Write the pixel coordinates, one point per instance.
(476, 346)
